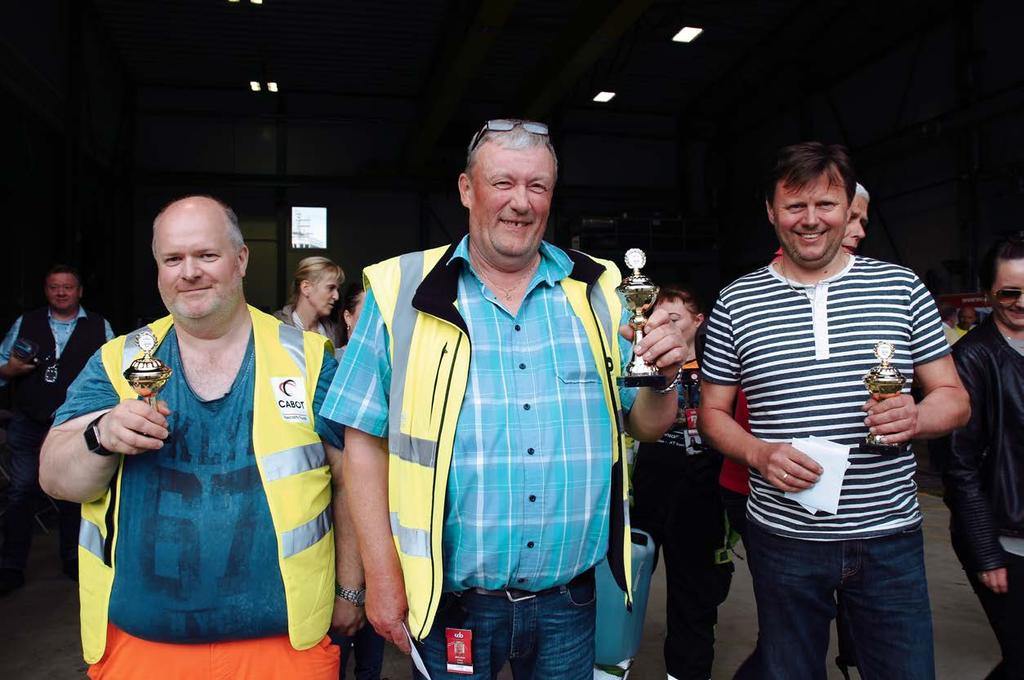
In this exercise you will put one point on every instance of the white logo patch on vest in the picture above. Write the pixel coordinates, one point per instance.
(290, 397)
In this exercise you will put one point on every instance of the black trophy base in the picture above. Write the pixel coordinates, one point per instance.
(656, 381)
(884, 449)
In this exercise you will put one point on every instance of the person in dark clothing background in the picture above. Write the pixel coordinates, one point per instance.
(41, 355)
(677, 502)
(983, 463)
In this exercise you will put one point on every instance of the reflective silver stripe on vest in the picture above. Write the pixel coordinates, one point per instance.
(301, 537)
(291, 339)
(611, 334)
(413, 449)
(414, 542)
(90, 538)
(611, 326)
(403, 322)
(130, 348)
(293, 461)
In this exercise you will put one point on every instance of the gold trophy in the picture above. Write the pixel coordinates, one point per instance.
(147, 374)
(638, 294)
(883, 382)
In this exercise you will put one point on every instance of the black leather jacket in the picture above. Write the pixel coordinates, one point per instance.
(983, 463)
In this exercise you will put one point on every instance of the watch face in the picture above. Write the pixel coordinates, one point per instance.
(92, 438)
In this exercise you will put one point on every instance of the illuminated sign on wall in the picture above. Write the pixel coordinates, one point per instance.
(309, 227)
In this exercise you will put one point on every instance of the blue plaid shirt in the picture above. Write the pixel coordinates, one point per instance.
(529, 487)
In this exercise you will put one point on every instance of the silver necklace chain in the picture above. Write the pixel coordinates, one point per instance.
(782, 270)
(509, 290)
(805, 292)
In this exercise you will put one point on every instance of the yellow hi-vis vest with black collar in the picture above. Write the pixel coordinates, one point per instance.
(430, 354)
(292, 465)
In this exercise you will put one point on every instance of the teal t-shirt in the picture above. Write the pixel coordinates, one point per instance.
(196, 552)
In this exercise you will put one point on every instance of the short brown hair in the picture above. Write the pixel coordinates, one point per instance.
(674, 291)
(64, 269)
(800, 164)
(1007, 248)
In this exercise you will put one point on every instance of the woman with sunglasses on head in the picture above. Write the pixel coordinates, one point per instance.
(315, 289)
(983, 463)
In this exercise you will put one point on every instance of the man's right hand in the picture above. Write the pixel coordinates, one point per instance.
(15, 367)
(134, 427)
(785, 468)
(387, 609)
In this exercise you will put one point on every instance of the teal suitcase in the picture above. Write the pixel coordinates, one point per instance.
(619, 631)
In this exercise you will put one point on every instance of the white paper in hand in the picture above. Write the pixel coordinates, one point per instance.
(417, 660)
(834, 460)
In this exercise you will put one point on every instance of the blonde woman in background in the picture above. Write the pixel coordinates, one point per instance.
(315, 290)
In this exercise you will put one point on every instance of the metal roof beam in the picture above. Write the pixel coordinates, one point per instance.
(456, 69)
(587, 36)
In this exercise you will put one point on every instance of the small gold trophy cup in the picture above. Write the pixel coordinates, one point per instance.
(638, 294)
(147, 374)
(883, 382)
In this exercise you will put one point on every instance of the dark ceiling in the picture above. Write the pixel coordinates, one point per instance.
(456, 61)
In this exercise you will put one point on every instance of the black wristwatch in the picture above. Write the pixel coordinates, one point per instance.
(356, 597)
(92, 438)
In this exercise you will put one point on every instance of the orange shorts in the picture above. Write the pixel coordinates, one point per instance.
(130, 658)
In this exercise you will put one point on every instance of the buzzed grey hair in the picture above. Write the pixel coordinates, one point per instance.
(230, 220)
(517, 139)
(861, 191)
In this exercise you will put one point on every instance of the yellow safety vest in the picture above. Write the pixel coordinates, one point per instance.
(430, 355)
(292, 465)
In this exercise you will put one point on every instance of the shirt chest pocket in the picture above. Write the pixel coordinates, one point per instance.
(573, 360)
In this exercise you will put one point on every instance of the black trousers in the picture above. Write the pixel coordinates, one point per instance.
(1005, 614)
(24, 438)
(677, 502)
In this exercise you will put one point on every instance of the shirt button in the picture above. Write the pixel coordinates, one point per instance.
(530, 450)
(522, 366)
(518, 327)
(533, 499)
(530, 544)
(520, 580)
(526, 407)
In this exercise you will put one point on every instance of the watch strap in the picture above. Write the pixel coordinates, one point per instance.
(355, 596)
(675, 382)
(92, 438)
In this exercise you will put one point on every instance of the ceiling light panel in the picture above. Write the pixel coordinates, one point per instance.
(687, 34)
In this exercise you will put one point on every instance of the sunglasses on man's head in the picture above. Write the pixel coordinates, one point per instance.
(1007, 296)
(505, 125)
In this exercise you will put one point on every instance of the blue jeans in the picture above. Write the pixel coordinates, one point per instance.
(881, 585)
(368, 648)
(25, 438)
(548, 636)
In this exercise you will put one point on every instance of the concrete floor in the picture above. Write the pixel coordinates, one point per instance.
(40, 621)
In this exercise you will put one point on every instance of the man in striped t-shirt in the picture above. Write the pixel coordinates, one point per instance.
(798, 337)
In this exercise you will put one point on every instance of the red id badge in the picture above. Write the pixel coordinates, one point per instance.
(691, 418)
(460, 650)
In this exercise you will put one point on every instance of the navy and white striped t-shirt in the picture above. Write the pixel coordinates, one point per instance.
(800, 353)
